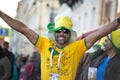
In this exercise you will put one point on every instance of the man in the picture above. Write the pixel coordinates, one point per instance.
(60, 55)
(5, 70)
(106, 63)
(9, 54)
(84, 64)
(102, 64)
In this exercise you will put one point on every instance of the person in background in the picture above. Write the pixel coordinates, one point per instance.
(19, 63)
(5, 66)
(88, 57)
(32, 67)
(60, 50)
(82, 71)
(103, 63)
(9, 54)
(35, 58)
(23, 71)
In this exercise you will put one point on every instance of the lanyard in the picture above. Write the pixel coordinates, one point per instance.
(51, 54)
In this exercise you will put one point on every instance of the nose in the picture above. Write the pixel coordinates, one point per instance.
(61, 32)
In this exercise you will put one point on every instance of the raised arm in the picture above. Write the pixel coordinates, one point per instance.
(20, 27)
(102, 31)
(85, 34)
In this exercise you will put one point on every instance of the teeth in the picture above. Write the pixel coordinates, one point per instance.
(61, 37)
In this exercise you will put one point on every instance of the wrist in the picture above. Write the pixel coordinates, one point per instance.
(0, 13)
(118, 20)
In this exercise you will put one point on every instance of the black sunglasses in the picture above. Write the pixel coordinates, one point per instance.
(66, 31)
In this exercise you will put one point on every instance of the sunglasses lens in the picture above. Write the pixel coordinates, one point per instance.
(58, 31)
(63, 30)
(66, 31)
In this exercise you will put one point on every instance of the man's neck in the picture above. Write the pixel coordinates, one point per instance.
(61, 46)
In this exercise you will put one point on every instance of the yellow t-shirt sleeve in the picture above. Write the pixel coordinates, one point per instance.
(82, 46)
(40, 42)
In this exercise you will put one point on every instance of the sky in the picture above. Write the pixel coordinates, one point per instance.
(9, 7)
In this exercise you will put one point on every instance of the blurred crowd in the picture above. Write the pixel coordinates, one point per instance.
(66, 52)
(18, 67)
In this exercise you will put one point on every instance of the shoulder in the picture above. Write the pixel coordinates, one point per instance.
(5, 59)
(42, 42)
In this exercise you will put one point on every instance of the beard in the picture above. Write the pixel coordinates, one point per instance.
(62, 40)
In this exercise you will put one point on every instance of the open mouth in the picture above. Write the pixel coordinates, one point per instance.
(61, 38)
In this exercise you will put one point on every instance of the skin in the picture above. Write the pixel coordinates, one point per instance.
(32, 35)
(62, 37)
(109, 49)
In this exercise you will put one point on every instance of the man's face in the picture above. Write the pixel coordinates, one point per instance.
(62, 36)
(107, 44)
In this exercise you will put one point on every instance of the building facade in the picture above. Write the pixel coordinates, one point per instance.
(86, 14)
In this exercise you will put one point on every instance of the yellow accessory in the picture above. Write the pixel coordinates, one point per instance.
(115, 38)
(63, 22)
(102, 40)
(60, 22)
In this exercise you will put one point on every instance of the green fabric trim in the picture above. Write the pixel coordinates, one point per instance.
(59, 47)
(85, 43)
(117, 50)
(56, 29)
(51, 27)
(97, 46)
(60, 28)
(36, 40)
(54, 53)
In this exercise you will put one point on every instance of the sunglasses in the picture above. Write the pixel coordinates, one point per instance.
(65, 31)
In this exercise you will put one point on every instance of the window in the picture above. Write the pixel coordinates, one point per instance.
(108, 9)
(118, 7)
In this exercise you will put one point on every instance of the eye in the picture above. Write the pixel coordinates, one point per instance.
(63, 30)
(58, 31)
(66, 31)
